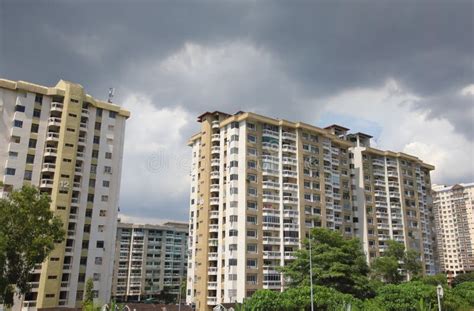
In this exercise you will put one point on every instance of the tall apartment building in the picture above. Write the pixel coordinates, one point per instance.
(69, 145)
(149, 258)
(258, 185)
(454, 217)
(393, 201)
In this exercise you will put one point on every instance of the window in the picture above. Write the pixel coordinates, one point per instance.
(251, 248)
(251, 138)
(252, 278)
(99, 112)
(15, 139)
(232, 262)
(13, 154)
(108, 155)
(233, 232)
(96, 139)
(93, 169)
(252, 233)
(28, 175)
(252, 164)
(36, 113)
(10, 171)
(252, 177)
(234, 125)
(105, 198)
(102, 213)
(252, 205)
(97, 126)
(252, 191)
(232, 247)
(98, 260)
(252, 263)
(32, 143)
(234, 150)
(34, 128)
(105, 183)
(232, 277)
(234, 190)
(233, 218)
(251, 126)
(95, 153)
(107, 170)
(18, 123)
(112, 114)
(39, 98)
(234, 138)
(96, 277)
(234, 163)
(30, 158)
(20, 108)
(92, 183)
(234, 177)
(100, 244)
(252, 220)
(252, 151)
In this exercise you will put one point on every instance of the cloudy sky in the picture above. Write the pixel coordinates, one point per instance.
(400, 70)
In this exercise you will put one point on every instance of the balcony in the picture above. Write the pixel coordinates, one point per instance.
(383, 226)
(85, 112)
(270, 146)
(380, 183)
(215, 150)
(212, 256)
(378, 162)
(271, 240)
(271, 255)
(54, 121)
(392, 174)
(215, 137)
(289, 160)
(50, 151)
(289, 199)
(213, 242)
(271, 159)
(212, 270)
(211, 301)
(56, 106)
(213, 228)
(48, 167)
(215, 162)
(214, 214)
(290, 186)
(52, 136)
(288, 173)
(215, 124)
(270, 226)
(288, 148)
(270, 133)
(290, 227)
(270, 185)
(215, 174)
(288, 135)
(289, 255)
(290, 213)
(378, 173)
(291, 241)
(215, 188)
(270, 198)
(46, 183)
(212, 285)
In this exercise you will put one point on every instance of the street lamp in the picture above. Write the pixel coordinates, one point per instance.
(440, 293)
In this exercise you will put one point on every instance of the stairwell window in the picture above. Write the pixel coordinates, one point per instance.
(18, 123)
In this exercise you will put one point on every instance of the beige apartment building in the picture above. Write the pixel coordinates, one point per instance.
(454, 218)
(70, 145)
(148, 259)
(259, 184)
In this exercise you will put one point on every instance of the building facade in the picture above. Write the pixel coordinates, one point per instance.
(148, 259)
(258, 185)
(69, 145)
(454, 217)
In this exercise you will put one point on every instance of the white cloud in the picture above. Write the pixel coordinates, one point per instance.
(155, 169)
(435, 141)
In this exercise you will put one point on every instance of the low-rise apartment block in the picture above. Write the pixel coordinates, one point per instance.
(454, 217)
(70, 145)
(148, 259)
(258, 185)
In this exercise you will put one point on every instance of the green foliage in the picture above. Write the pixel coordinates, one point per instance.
(165, 296)
(88, 294)
(404, 297)
(394, 259)
(465, 290)
(28, 233)
(337, 262)
(299, 299)
(433, 279)
(460, 278)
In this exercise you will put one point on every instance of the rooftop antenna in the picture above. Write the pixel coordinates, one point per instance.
(111, 94)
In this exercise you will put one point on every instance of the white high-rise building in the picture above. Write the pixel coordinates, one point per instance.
(454, 216)
(258, 185)
(69, 145)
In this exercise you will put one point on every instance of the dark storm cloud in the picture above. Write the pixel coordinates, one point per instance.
(327, 45)
(317, 49)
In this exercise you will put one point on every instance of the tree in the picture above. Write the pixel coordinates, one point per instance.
(337, 262)
(88, 293)
(394, 260)
(28, 233)
(461, 278)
